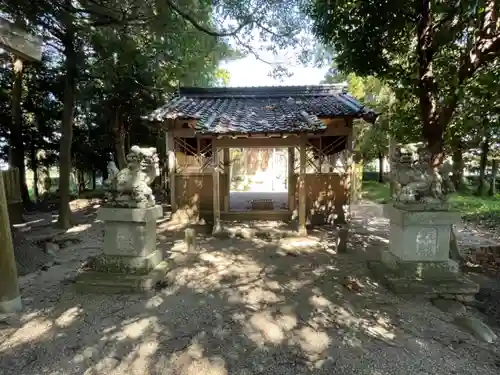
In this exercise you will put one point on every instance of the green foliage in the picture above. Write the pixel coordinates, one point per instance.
(373, 139)
(483, 210)
(376, 192)
(124, 69)
(369, 37)
(433, 54)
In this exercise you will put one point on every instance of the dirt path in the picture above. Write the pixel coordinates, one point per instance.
(238, 307)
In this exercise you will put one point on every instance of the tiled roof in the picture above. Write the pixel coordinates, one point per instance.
(274, 109)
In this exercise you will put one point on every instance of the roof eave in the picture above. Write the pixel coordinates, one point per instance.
(277, 133)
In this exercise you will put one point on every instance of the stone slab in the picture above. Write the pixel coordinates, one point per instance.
(404, 217)
(476, 328)
(449, 306)
(453, 283)
(136, 215)
(91, 281)
(428, 269)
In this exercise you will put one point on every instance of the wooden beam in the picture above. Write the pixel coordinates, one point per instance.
(255, 142)
(302, 187)
(22, 44)
(184, 133)
(217, 228)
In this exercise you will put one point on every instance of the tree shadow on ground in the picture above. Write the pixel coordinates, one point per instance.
(486, 220)
(242, 306)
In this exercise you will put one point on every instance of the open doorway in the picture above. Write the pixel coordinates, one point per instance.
(259, 179)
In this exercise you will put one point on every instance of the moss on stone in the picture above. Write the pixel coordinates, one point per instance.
(117, 264)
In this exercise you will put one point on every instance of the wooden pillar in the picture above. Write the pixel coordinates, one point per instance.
(12, 186)
(161, 142)
(351, 170)
(216, 189)
(355, 168)
(291, 179)
(28, 47)
(172, 162)
(227, 178)
(10, 297)
(320, 155)
(302, 186)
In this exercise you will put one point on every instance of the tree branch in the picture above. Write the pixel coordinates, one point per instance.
(484, 50)
(249, 49)
(198, 26)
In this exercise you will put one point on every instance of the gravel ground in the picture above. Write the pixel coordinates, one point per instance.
(240, 307)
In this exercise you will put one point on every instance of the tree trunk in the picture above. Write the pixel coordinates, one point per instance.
(381, 167)
(119, 141)
(458, 165)
(494, 170)
(16, 131)
(105, 173)
(67, 123)
(81, 181)
(485, 149)
(94, 177)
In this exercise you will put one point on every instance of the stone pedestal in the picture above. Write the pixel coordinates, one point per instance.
(417, 260)
(130, 260)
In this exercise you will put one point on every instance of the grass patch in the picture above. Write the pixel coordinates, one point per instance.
(470, 204)
(376, 192)
(484, 210)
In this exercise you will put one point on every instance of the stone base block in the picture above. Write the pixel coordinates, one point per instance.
(420, 235)
(420, 269)
(405, 282)
(94, 281)
(136, 265)
(130, 232)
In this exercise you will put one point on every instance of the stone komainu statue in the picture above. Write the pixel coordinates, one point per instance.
(130, 187)
(415, 180)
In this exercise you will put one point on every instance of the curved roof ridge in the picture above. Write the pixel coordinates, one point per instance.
(263, 91)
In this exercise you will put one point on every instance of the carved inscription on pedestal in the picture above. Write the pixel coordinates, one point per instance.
(427, 242)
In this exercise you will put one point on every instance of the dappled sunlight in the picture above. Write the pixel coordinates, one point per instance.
(33, 330)
(262, 328)
(179, 246)
(69, 316)
(154, 302)
(137, 329)
(257, 296)
(239, 306)
(189, 365)
(312, 341)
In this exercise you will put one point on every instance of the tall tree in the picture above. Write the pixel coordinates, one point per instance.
(431, 47)
(132, 52)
